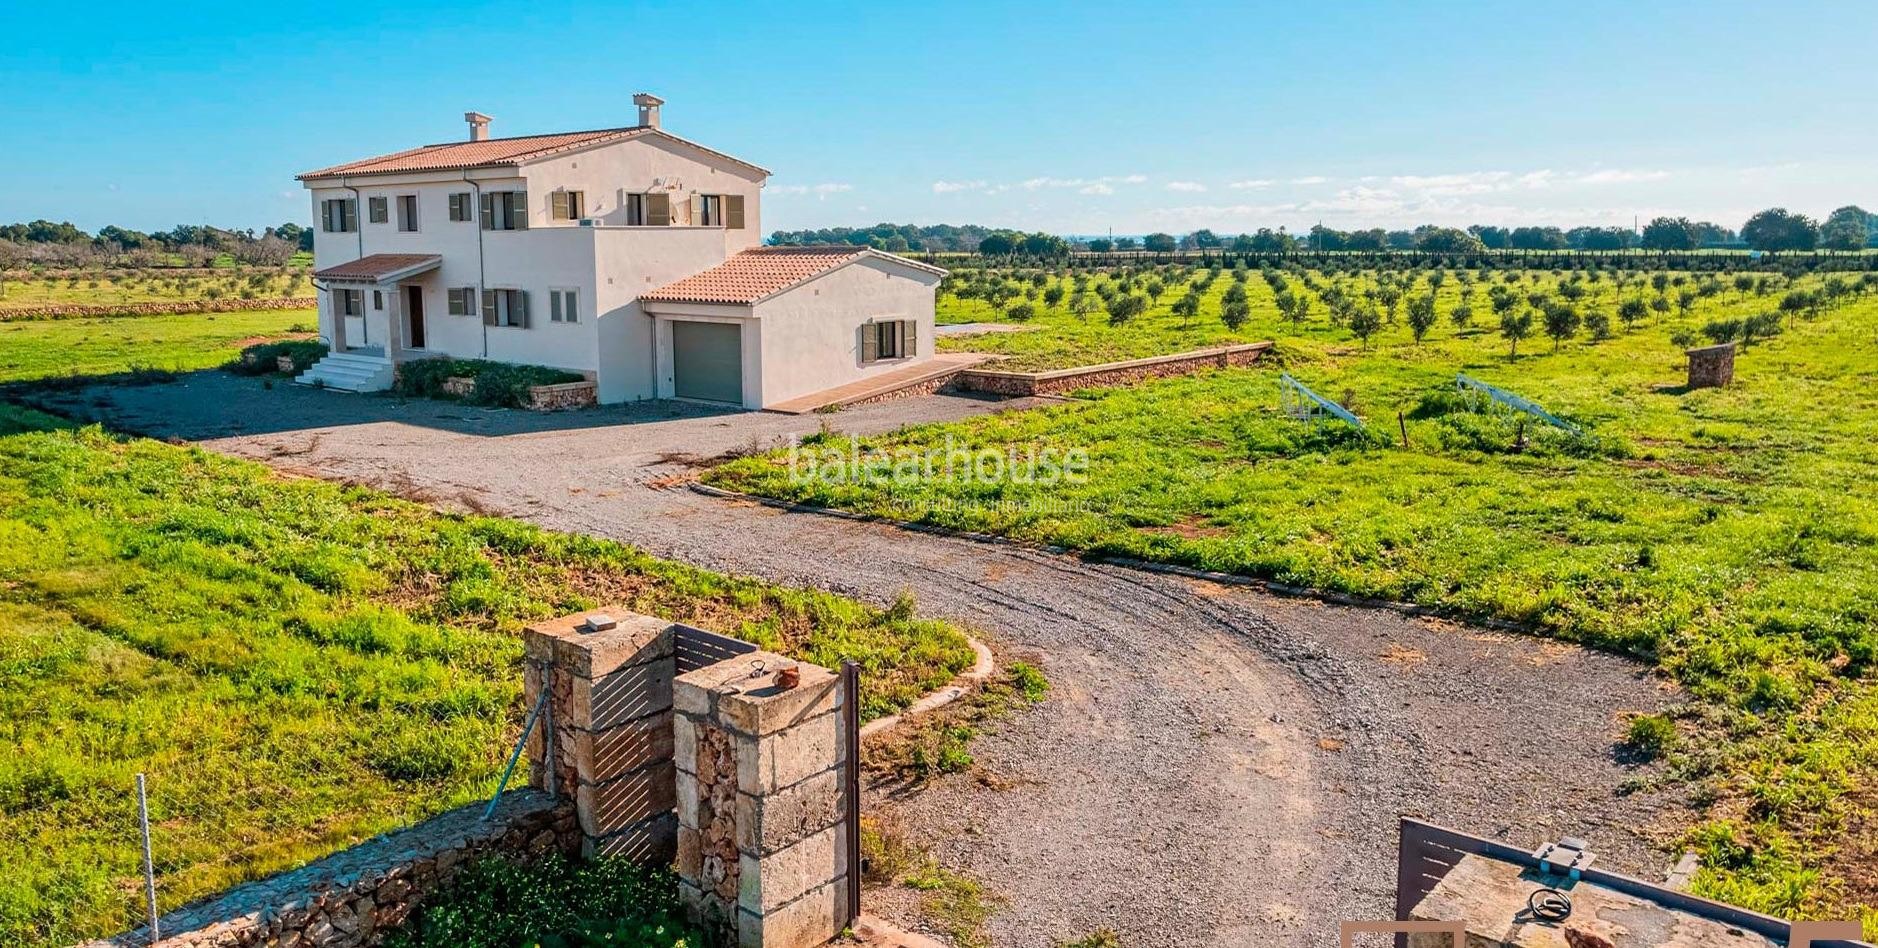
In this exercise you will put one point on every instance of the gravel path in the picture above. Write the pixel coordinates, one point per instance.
(1215, 766)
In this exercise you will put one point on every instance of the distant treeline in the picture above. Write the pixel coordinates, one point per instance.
(43, 243)
(1775, 229)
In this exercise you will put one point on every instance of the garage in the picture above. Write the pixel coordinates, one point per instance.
(707, 361)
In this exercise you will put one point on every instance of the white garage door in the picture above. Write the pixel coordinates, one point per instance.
(707, 361)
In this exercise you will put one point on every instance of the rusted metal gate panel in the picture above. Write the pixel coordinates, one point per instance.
(696, 648)
(851, 732)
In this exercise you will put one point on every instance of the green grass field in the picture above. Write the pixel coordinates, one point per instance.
(297, 665)
(1731, 536)
(43, 349)
(153, 286)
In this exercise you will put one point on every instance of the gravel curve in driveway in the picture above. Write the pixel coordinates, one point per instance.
(1215, 765)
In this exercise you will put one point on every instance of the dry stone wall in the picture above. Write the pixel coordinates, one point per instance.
(1016, 384)
(154, 308)
(355, 897)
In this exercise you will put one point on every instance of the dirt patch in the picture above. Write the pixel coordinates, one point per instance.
(1191, 527)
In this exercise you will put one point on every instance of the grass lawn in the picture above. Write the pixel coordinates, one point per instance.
(1731, 535)
(41, 349)
(297, 665)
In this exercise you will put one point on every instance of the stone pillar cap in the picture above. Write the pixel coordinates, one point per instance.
(572, 642)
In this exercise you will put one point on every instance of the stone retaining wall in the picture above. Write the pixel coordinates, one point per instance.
(1112, 373)
(62, 310)
(563, 396)
(353, 898)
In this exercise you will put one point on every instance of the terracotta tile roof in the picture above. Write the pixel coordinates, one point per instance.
(762, 272)
(498, 153)
(377, 266)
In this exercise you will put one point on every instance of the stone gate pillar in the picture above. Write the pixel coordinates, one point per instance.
(609, 725)
(762, 841)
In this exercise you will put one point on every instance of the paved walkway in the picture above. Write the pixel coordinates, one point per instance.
(1214, 766)
(874, 386)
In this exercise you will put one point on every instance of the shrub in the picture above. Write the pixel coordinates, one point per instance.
(500, 903)
(263, 359)
(497, 383)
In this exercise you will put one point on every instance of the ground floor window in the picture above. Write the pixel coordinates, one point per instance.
(505, 308)
(564, 306)
(462, 300)
(887, 339)
(349, 302)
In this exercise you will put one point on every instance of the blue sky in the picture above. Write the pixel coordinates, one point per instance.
(1072, 118)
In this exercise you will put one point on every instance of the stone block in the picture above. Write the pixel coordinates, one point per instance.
(630, 692)
(777, 879)
(566, 644)
(600, 756)
(814, 919)
(761, 707)
(608, 807)
(696, 692)
(685, 742)
(689, 812)
(690, 853)
(789, 756)
(782, 819)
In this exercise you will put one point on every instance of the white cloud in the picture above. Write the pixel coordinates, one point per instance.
(1096, 188)
(1084, 184)
(953, 187)
(819, 190)
(1621, 176)
(1192, 187)
(1251, 184)
(1311, 179)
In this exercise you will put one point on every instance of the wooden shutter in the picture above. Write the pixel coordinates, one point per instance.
(518, 210)
(733, 211)
(489, 215)
(469, 295)
(559, 205)
(908, 330)
(697, 210)
(870, 342)
(521, 297)
(658, 209)
(349, 215)
(489, 298)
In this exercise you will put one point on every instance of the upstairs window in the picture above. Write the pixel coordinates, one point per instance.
(635, 210)
(505, 210)
(339, 215)
(708, 210)
(568, 205)
(462, 206)
(407, 213)
(377, 210)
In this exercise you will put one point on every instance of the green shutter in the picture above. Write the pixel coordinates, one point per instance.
(554, 306)
(489, 212)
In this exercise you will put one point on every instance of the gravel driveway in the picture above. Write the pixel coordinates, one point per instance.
(1215, 766)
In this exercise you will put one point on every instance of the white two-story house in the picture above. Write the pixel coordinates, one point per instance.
(628, 255)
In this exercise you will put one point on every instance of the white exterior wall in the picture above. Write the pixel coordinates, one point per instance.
(809, 337)
(606, 174)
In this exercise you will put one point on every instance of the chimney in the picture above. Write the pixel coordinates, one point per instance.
(648, 108)
(479, 126)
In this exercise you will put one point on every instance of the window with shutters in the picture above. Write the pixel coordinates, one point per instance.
(339, 215)
(407, 213)
(349, 302)
(505, 210)
(887, 339)
(377, 210)
(635, 210)
(462, 300)
(462, 206)
(568, 205)
(710, 210)
(564, 306)
(658, 209)
(504, 307)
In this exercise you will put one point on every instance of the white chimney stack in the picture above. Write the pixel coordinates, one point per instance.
(479, 126)
(648, 108)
